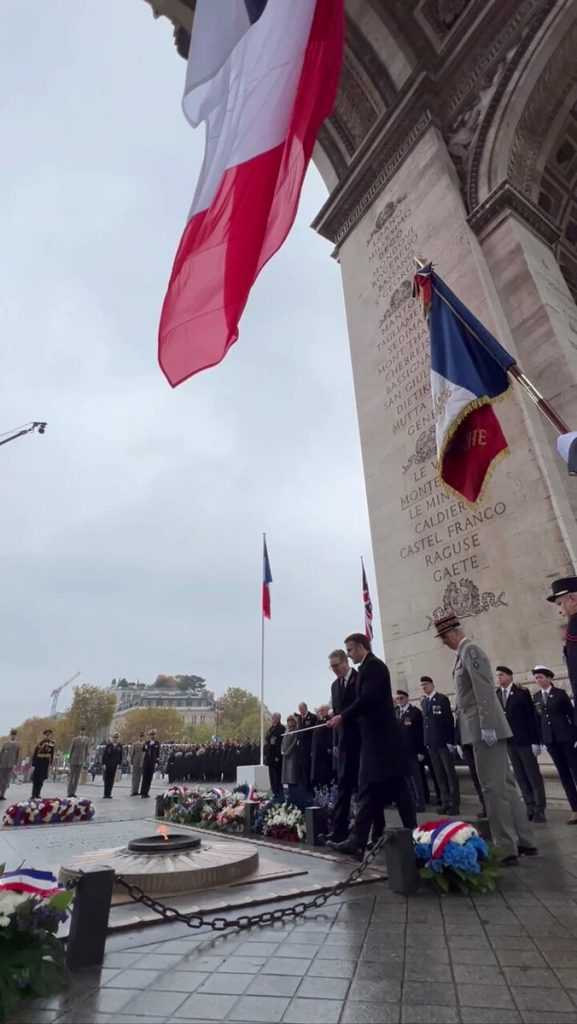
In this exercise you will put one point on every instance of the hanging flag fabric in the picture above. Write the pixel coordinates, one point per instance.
(41, 884)
(468, 373)
(368, 606)
(263, 76)
(266, 581)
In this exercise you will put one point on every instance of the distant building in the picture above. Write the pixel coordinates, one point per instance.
(194, 709)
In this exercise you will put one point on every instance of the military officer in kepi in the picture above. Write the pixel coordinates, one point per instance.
(483, 724)
(558, 732)
(564, 595)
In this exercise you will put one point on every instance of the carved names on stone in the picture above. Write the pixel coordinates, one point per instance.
(442, 540)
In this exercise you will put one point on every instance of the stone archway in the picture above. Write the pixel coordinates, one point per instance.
(419, 157)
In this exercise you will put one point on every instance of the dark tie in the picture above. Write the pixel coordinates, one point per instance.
(501, 698)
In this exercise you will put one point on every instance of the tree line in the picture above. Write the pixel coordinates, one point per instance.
(237, 717)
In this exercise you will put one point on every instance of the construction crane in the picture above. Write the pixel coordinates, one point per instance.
(56, 693)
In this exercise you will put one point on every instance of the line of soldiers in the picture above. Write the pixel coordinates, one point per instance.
(207, 762)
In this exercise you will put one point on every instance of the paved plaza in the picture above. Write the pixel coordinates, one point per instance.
(370, 956)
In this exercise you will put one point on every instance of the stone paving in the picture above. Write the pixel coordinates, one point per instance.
(370, 957)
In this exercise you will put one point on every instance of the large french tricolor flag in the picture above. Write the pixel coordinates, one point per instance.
(468, 373)
(263, 76)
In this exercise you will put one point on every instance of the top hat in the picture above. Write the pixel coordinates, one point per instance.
(446, 623)
(568, 585)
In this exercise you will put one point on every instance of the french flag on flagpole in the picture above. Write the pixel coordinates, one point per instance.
(266, 581)
(468, 373)
(263, 76)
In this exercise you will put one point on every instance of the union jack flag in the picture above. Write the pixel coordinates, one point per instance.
(368, 606)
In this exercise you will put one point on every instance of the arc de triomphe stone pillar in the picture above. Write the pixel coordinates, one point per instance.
(455, 137)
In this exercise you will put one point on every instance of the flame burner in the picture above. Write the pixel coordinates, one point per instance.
(166, 842)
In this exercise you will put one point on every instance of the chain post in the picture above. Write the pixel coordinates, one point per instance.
(245, 921)
(89, 921)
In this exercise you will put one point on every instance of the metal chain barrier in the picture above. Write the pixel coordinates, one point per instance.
(220, 924)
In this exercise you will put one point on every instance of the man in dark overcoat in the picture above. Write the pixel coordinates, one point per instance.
(384, 765)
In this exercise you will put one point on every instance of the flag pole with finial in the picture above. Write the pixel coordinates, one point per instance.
(514, 371)
(265, 614)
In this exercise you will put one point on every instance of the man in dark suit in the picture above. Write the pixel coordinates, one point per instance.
(557, 730)
(305, 720)
(272, 753)
(410, 719)
(346, 744)
(439, 730)
(384, 764)
(523, 746)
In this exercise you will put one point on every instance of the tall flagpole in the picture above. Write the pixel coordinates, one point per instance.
(265, 614)
(262, 618)
(262, 686)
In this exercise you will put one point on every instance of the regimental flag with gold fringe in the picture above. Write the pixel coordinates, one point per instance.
(468, 373)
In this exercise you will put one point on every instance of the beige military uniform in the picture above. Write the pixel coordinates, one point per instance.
(136, 761)
(78, 759)
(9, 758)
(478, 709)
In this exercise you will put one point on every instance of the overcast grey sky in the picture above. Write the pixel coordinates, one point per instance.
(131, 532)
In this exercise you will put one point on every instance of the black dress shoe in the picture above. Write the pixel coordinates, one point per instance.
(509, 862)
(539, 818)
(527, 851)
(348, 847)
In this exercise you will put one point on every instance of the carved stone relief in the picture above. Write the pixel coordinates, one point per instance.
(442, 15)
(464, 599)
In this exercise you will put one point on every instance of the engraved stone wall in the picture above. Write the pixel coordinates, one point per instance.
(433, 553)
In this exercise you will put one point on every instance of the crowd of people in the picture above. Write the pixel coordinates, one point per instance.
(388, 750)
(384, 749)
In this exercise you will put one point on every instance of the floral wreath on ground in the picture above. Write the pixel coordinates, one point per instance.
(32, 958)
(48, 811)
(454, 857)
(223, 811)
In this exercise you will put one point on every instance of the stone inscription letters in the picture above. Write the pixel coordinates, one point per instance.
(447, 539)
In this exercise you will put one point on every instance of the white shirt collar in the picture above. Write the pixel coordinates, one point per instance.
(348, 676)
(433, 693)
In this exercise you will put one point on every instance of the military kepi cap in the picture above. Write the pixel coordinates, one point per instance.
(446, 623)
(568, 585)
